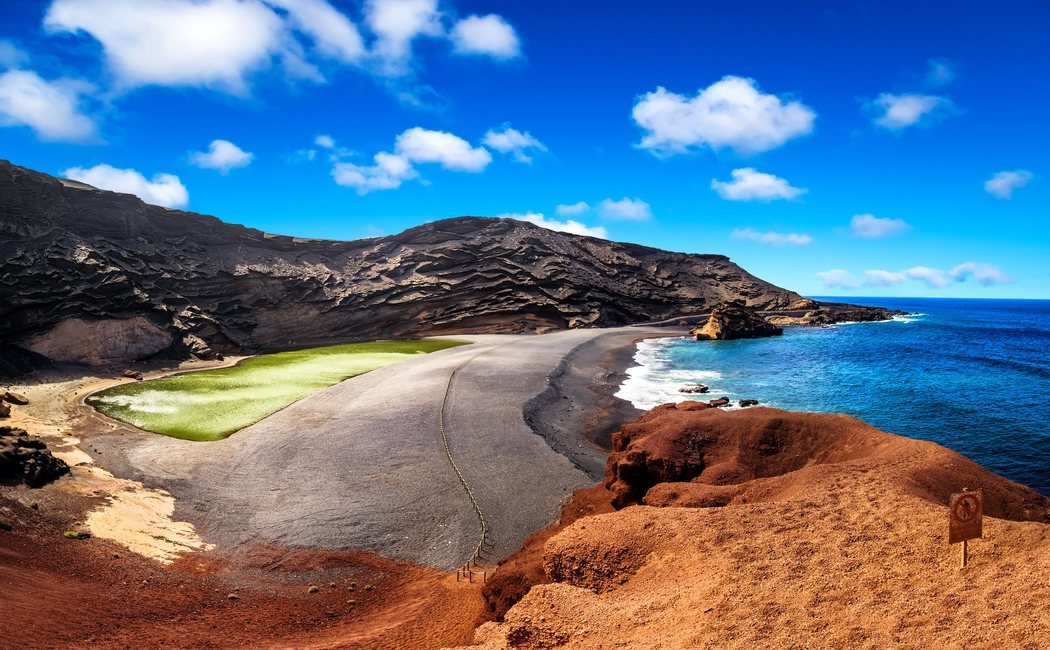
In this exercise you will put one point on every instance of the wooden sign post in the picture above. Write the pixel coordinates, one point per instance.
(965, 515)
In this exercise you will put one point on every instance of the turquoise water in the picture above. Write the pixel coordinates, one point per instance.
(972, 375)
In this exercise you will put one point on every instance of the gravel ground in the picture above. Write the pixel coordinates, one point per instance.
(360, 465)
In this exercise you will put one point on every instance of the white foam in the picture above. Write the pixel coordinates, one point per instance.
(656, 381)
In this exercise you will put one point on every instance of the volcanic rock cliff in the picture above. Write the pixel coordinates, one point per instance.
(99, 277)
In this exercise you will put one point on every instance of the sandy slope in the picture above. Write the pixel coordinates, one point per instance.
(834, 536)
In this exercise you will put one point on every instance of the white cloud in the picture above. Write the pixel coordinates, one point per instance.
(325, 141)
(838, 279)
(450, 151)
(880, 278)
(982, 273)
(12, 56)
(901, 111)
(570, 226)
(388, 172)
(748, 184)
(514, 142)
(871, 227)
(414, 146)
(396, 24)
(729, 113)
(572, 209)
(335, 36)
(772, 238)
(940, 72)
(222, 155)
(164, 189)
(51, 108)
(212, 43)
(1003, 184)
(489, 35)
(625, 210)
(932, 277)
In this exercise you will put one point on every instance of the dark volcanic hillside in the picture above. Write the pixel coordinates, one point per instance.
(94, 276)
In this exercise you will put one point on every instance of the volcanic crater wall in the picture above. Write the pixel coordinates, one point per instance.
(68, 252)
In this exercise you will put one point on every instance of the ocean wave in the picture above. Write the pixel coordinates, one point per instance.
(656, 380)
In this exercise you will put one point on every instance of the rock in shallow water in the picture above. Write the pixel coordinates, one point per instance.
(734, 320)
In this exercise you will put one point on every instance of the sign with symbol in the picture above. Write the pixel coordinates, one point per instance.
(965, 513)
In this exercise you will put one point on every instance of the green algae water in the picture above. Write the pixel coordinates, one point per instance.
(212, 404)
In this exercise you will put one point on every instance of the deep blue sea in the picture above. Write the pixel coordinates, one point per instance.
(972, 375)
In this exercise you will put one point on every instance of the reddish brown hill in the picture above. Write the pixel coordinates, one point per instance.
(828, 533)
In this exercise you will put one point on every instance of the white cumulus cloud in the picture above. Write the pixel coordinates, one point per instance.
(396, 24)
(325, 141)
(897, 112)
(1002, 184)
(772, 238)
(871, 227)
(221, 155)
(935, 278)
(414, 146)
(570, 226)
(51, 108)
(982, 273)
(212, 43)
(625, 209)
(572, 209)
(838, 279)
(334, 35)
(420, 145)
(163, 189)
(749, 184)
(730, 113)
(489, 35)
(514, 142)
(881, 278)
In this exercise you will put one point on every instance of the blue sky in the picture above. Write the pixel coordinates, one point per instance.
(877, 148)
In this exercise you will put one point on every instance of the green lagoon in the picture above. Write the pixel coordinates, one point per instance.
(212, 404)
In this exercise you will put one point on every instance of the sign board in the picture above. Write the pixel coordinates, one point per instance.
(965, 513)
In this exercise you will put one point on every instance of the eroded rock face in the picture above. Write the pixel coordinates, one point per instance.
(734, 320)
(72, 252)
(97, 342)
(25, 459)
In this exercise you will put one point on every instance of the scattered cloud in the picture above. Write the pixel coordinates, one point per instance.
(838, 279)
(220, 44)
(570, 226)
(880, 278)
(896, 112)
(940, 72)
(514, 142)
(388, 172)
(396, 25)
(982, 273)
(625, 209)
(414, 146)
(748, 184)
(871, 227)
(1002, 184)
(731, 113)
(12, 56)
(572, 209)
(325, 141)
(489, 35)
(771, 238)
(163, 189)
(932, 277)
(52, 109)
(450, 151)
(222, 155)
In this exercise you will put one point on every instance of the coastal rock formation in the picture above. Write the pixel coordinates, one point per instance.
(827, 533)
(810, 313)
(88, 263)
(734, 320)
(28, 460)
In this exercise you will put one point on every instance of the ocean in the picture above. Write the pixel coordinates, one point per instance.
(971, 375)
